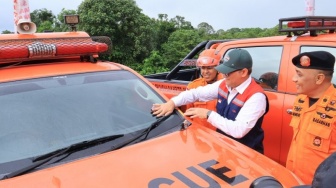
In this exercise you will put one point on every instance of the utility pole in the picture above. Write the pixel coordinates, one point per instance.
(310, 7)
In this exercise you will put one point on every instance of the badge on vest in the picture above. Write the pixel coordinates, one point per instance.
(323, 115)
(328, 108)
(297, 108)
(301, 101)
(317, 141)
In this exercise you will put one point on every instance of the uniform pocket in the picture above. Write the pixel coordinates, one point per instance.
(319, 131)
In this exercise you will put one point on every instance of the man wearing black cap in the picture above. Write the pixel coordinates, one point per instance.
(313, 114)
(241, 103)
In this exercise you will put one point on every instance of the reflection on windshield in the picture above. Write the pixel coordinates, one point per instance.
(42, 115)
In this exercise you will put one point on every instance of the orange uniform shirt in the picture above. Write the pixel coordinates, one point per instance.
(314, 134)
(211, 105)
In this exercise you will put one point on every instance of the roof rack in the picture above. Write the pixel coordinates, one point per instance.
(304, 24)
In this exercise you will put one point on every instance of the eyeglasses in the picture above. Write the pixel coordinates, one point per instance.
(228, 74)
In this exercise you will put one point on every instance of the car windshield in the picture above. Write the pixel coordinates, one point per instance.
(42, 115)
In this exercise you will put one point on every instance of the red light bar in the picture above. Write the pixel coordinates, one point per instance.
(54, 48)
(13, 52)
(83, 48)
(300, 24)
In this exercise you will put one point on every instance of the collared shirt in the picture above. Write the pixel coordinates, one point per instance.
(247, 117)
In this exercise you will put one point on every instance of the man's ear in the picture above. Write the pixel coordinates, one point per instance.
(319, 78)
(245, 74)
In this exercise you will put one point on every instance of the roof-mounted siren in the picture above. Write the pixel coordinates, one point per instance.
(25, 26)
(22, 22)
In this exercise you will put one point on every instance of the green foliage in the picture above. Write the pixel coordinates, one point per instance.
(180, 23)
(155, 63)
(179, 45)
(45, 26)
(162, 28)
(44, 19)
(204, 28)
(6, 32)
(148, 45)
(122, 21)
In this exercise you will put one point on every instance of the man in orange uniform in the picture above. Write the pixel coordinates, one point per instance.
(207, 61)
(313, 114)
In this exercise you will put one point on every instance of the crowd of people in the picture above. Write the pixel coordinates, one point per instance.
(227, 99)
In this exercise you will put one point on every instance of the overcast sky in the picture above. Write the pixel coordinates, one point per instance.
(220, 14)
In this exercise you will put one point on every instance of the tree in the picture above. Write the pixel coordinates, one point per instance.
(162, 29)
(179, 44)
(180, 23)
(154, 60)
(205, 28)
(6, 32)
(122, 21)
(44, 19)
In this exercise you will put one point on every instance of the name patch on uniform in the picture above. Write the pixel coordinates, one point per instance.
(319, 121)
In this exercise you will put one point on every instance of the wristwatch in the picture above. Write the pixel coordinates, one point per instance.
(208, 113)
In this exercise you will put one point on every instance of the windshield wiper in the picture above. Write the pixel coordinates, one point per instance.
(137, 136)
(40, 160)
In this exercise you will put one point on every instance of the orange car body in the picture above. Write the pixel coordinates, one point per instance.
(182, 159)
(194, 156)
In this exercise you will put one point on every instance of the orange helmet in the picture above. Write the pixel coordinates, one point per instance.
(209, 57)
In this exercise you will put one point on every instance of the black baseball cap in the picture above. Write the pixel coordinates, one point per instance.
(236, 59)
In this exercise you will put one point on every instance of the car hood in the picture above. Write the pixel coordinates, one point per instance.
(195, 157)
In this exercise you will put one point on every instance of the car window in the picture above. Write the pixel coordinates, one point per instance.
(266, 63)
(42, 115)
(332, 50)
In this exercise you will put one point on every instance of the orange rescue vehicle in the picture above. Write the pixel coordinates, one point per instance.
(69, 119)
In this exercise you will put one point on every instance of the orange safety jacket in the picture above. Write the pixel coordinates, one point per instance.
(211, 105)
(314, 134)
